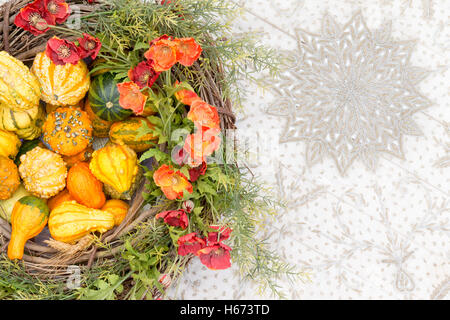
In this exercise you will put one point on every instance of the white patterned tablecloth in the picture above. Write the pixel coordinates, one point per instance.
(355, 138)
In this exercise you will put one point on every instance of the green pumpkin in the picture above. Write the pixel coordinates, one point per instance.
(104, 99)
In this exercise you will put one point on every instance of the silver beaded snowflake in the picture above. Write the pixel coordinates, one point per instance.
(349, 93)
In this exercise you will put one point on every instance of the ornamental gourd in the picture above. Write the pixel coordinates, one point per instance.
(100, 126)
(67, 131)
(84, 187)
(129, 132)
(27, 145)
(35, 129)
(117, 167)
(104, 99)
(118, 209)
(60, 198)
(44, 181)
(71, 221)
(28, 219)
(62, 85)
(9, 178)
(11, 120)
(9, 144)
(83, 156)
(19, 88)
(6, 206)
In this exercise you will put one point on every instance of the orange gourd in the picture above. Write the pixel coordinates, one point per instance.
(61, 197)
(118, 209)
(28, 219)
(68, 131)
(9, 178)
(84, 187)
(83, 156)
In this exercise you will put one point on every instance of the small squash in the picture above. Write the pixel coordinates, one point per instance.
(27, 145)
(117, 167)
(83, 156)
(104, 98)
(71, 221)
(9, 178)
(100, 126)
(9, 144)
(28, 219)
(128, 132)
(11, 120)
(43, 172)
(118, 209)
(19, 88)
(61, 197)
(6, 206)
(62, 85)
(84, 187)
(49, 108)
(67, 131)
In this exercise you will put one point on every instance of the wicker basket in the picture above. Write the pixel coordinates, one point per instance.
(40, 258)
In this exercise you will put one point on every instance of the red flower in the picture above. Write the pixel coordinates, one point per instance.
(195, 173)
(89, 46)
(61, 51)
(190, 243)
(185, 96)
(59, 9)
(216, 257)
(222, 234)
(163, 53)
(188, 51)
(131, 97)
(174, 218)
(143, 74)
(34, 18)
(179, 156)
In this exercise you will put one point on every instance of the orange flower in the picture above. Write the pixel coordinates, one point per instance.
(163, 53)
(172, 183)
(188, 51)
(201, 145)
(131, 97)
(186, 96)
(204, 116)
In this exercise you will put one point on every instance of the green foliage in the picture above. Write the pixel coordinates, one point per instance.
(104, 289)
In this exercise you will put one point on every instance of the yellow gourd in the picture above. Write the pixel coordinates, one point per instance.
(28, 219)
(117, 167)
(9, 144)
(71, 221)
(61, 85)
(43, 172)
(19, 88)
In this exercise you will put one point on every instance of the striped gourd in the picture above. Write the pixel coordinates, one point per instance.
(11, 120)
(61, 85)
(104, 99)
(100, 126)
(129, 132)
(19, 88)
